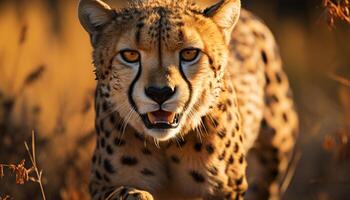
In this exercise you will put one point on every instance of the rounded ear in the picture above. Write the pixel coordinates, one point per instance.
(225, 14)
(93, 14)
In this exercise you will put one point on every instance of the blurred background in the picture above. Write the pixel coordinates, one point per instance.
(47, 85)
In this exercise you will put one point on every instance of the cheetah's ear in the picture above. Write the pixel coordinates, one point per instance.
(93, 14)
(225, 14)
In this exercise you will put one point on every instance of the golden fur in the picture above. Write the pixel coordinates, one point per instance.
(225, 99)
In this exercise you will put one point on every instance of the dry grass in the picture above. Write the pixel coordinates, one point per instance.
(338, 143)
(23, 174)
(47, 85)
(337, 9)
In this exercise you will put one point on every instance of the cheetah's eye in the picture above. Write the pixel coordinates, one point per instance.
(189, 55)
(130, 56)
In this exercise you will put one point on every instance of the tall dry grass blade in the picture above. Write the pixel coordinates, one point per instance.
(1, 171)
(291, 171)
(29, 154)
(32, 157)
(340, 79)
(33, 147)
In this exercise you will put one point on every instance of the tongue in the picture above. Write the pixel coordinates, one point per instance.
(161, 116)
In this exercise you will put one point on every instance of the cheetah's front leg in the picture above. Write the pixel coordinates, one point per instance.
(118, 170)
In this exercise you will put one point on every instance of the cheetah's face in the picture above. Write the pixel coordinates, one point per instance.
(160, 63)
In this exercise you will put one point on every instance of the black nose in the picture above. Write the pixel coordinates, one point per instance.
(159, 95)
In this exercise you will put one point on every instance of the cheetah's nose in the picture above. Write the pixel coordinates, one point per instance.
(160, 95)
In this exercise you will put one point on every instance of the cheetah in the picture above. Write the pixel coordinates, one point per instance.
(187, 96)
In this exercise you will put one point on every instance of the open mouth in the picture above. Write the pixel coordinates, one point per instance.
(161, 119)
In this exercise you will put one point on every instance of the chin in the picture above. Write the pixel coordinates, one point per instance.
(162, 134)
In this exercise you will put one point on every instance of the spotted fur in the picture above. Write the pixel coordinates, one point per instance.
(234, 101)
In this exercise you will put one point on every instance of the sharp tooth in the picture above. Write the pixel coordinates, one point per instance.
(151, 118)
(171, 118)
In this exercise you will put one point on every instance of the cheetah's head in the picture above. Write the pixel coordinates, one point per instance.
(160, 63)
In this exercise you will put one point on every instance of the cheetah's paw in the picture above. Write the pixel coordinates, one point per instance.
(132, 194)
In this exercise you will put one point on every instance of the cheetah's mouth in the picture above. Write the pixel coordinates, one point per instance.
(161, 119)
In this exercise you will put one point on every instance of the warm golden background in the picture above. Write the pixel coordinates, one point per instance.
(47, 83)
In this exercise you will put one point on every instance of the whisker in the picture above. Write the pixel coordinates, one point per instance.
(211, 119)
(202, 125)
(197, 128)
(156, 142)
(126, 120)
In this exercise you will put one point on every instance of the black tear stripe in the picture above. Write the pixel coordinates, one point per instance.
(189, 85)
(131, 88)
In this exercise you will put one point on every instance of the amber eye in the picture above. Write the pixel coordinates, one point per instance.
(189, 55)
(130, 56)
